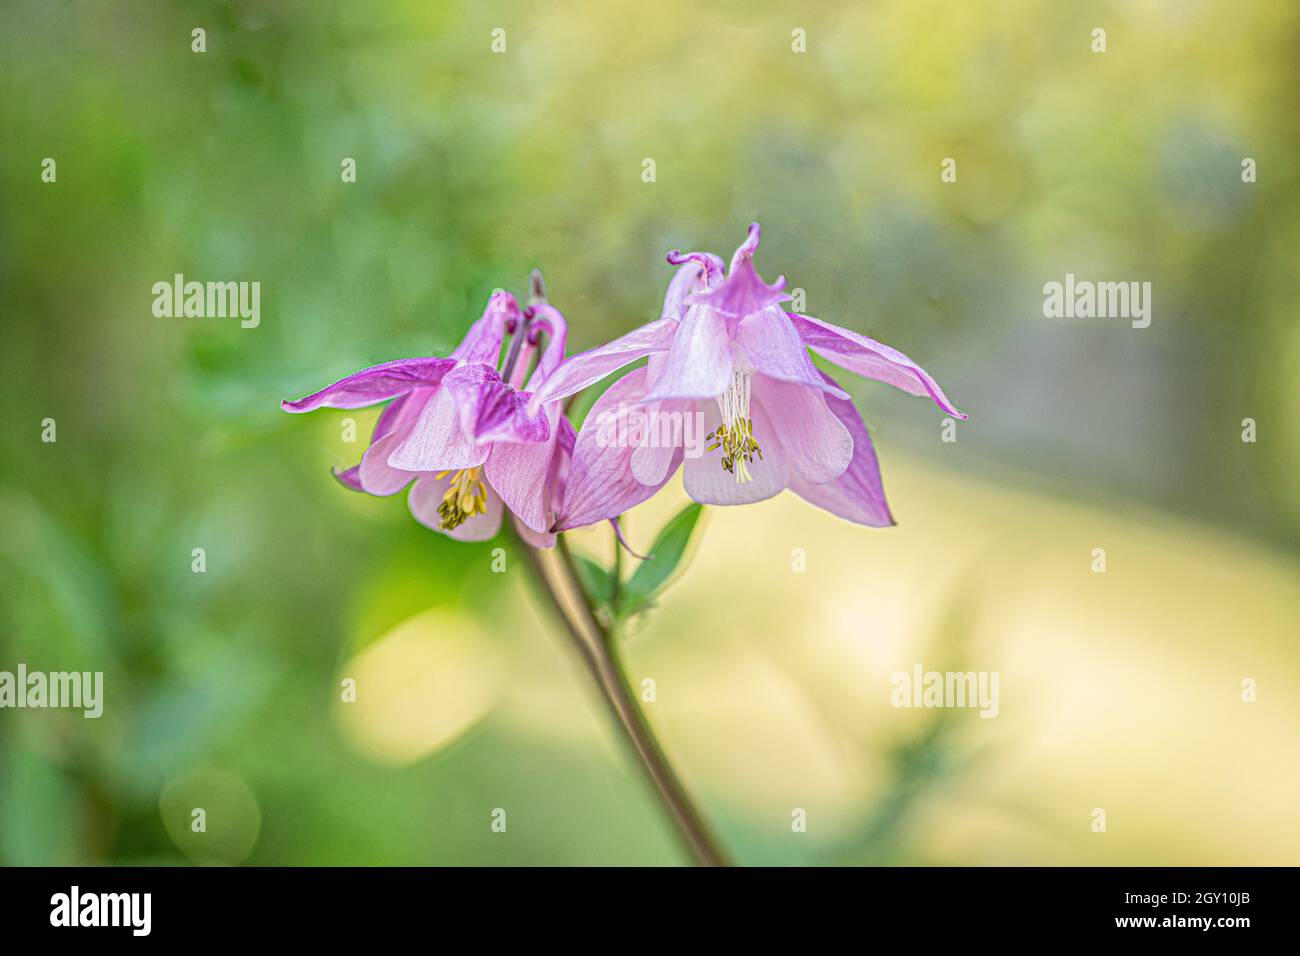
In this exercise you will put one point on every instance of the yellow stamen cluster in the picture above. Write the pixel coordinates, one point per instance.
(464, 498)
(738, 447)
(735, 436)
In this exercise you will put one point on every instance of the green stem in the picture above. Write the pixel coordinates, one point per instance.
(600, 657)
(616, 582)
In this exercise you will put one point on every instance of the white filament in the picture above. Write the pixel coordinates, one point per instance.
(734, 402)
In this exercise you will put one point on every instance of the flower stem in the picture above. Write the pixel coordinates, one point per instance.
(616, 582)
(598, 652)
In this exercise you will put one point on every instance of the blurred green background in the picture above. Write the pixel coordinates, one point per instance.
(1119, 690)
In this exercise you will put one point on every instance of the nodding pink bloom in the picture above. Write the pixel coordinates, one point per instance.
(726, 349)
(462, 432)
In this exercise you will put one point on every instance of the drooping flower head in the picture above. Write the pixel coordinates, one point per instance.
(462, 431)
(726, 349)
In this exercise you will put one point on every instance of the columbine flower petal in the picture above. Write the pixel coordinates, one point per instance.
(552, 322)
(437, 441)
(600, 483)
(699, 362)
(814, 440)
(519, 472)
(492, 411)
(591, 366)
(857, 495)
(690, 279)
(377, 477)
(655, 459)
(712, 268)
(378, 383)
(554, 481)
(871, 359)
(350, 478)
(742, 293)
(482, 343)
(773, 346)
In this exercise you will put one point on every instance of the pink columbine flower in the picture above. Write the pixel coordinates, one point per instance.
(463, 429)
(725, 348)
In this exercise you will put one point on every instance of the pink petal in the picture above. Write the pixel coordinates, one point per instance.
(709, 484)
(654, 368)
(426, 496)
(870, 358)
(568, 435)
(773, 346)
(482, 343)
(713, 267)
(377, 477)
(699, 362)
(519, 374)
(622, 540)
(688, 280)
(747, 248)
(388, 418)
(858, 494)
(600, 483)
(743, 292)
(377, 383)
(533, 538)
(374, 473)
(490, 410)
(816, 443)
(436, 441)
(520, 474)
(549, 320)
(668, 429)
(351, 478)
(579, 371)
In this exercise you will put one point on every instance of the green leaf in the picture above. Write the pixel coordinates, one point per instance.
(594, 579)
(665, 555)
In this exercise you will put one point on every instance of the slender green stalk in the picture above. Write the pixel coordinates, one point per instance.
(616, 581)
(596, 647)
(544, 585)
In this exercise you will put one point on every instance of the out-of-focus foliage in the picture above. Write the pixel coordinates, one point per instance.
(223, 689)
